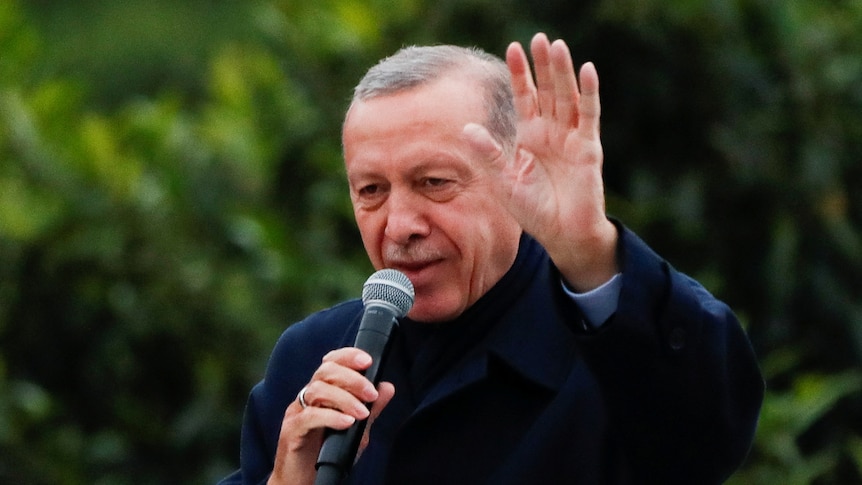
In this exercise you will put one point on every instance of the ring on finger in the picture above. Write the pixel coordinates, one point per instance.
(301, 397)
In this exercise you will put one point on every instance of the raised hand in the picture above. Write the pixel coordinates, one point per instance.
(553, 184)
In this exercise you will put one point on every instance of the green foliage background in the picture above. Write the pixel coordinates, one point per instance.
(171, 197)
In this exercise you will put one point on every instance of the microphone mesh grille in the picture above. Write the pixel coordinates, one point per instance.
(389, 286)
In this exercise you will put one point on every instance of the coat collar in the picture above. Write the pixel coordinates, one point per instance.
(524, 328)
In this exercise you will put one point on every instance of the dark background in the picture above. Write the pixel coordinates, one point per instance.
(172, 197)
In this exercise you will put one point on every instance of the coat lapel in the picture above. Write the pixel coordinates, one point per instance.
(531, 339)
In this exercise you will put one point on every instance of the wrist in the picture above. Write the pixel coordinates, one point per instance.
(588, 262)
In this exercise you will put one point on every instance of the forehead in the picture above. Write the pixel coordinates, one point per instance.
(447, 103)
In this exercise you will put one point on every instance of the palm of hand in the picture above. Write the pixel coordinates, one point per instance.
(555, 184)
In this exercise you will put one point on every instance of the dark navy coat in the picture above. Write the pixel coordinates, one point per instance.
(667, 391)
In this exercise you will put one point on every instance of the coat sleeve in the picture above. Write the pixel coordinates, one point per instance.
(255, 466)
(681, 382)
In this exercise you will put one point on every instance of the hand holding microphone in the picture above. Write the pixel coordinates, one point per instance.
(387, 295)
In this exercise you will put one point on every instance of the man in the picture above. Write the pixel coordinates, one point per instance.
(547, 343)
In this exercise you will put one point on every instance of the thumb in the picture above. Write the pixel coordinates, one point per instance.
(480, 140)
(385, 393)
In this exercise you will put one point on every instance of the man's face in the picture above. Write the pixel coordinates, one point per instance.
(425, 204)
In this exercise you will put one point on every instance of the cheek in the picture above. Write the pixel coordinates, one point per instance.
(493, 243)
(371, 233)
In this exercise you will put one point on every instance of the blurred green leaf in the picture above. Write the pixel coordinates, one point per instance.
(172, 197)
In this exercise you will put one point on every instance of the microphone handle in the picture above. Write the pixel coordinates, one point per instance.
(340, 446)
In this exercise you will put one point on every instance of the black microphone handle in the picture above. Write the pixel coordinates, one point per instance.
(340, 446)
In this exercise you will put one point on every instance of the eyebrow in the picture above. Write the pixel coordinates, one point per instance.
(452, 164)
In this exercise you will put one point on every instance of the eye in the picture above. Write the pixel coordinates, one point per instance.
(369, 190)
(369, 195)
(439, 189)
(434, 182)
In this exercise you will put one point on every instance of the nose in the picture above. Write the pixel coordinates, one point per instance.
(406, 219)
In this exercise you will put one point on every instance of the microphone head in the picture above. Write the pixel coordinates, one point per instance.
(390, 287)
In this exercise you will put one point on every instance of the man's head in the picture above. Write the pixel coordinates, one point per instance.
(415, 66)
(425, 201)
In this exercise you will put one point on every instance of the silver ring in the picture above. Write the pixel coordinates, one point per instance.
(301, 397)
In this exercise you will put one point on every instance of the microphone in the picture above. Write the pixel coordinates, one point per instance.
(387, 295)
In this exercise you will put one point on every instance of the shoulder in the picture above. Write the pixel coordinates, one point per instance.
(651, 285)
(322, 326)
(299, 350)
(308, 340)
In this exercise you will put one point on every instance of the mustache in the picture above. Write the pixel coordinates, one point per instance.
(410, 254)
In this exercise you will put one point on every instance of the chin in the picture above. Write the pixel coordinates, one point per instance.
(434, 313)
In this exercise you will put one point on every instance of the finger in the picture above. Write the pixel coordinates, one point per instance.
(480, 139)
(540, 50)
(351, 357)
(320, 394)
(336, 375)
(301, 425)
(565, 83)
(300, 439)
(387, 392)
(589, 106)
(342, 368)
(314, 418)
(523, 89)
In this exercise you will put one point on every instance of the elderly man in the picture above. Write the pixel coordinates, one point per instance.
(547, 343)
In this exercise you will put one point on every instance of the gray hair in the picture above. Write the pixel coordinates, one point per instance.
(414, 66)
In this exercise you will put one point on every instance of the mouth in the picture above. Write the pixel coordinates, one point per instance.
(414, 270)
(417, 262)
